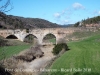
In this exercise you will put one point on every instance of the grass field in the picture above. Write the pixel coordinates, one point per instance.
(83, 58)
(8, 51)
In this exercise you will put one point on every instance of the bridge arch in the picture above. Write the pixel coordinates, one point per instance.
(49, 38)
(30, 38)
(11, 37)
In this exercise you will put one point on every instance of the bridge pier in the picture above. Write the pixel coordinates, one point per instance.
(39, 41)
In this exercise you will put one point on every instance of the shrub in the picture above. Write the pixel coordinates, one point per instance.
(31, 54)
(3, 42)
(58, 48)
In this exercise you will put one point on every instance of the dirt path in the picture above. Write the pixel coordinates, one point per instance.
(39, 63)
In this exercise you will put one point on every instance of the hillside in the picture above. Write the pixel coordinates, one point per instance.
(89, 22)
(15, 22)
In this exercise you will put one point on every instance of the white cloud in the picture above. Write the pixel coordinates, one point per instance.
(57, 15)
(63, 17)
(64, 11)
(78, 6)
(96, 12)
(99, 12)
(64, 22)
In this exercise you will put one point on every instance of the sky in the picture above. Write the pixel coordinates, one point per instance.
(56, 11)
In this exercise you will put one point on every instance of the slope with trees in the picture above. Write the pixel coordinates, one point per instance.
(16, 22)
(92, 22)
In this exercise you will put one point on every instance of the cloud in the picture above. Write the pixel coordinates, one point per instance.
(64, 22)
(78, 6)
(57, 15)
(98, 12)
(63, 13)
(62, 17)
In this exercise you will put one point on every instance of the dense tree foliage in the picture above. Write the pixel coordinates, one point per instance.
(76, 24)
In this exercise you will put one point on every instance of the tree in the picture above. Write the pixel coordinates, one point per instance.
(61, 44)
(4, 5)
(76, 24)
(59, 47)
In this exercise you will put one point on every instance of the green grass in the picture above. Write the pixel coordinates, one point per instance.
(8, 51)
(84, 55)
(53, 40)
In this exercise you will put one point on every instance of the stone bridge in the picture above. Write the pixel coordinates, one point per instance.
(38, 33)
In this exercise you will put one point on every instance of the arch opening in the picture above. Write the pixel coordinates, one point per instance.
(11, 37)
(30, 39)
(49, 39)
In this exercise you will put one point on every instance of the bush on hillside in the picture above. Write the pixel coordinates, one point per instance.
(59, 47)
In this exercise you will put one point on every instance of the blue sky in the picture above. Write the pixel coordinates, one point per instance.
(56, 11)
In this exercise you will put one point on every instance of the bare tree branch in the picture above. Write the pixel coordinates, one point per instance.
(4, 7)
